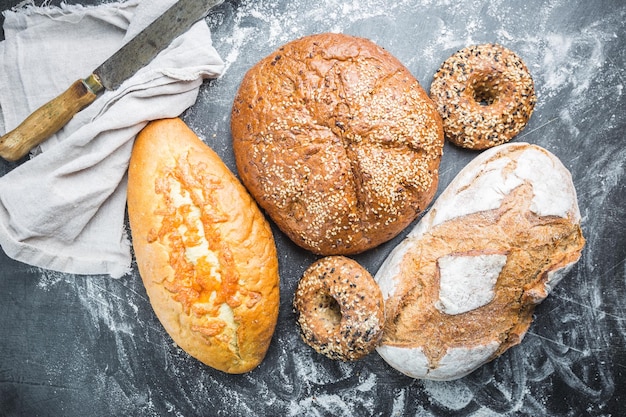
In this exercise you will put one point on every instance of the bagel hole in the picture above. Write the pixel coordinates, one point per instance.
(485, 89)
(484, 97)
(328, 311)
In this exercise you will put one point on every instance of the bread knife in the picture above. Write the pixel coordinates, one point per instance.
(135, 54)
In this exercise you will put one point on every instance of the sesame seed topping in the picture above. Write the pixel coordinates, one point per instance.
(339, 308)
(484, 94)
(344, 146)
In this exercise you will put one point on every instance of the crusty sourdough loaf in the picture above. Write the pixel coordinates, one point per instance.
(462, 287)
(337, 141)
(205, 252)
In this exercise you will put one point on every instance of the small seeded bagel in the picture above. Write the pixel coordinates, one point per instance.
(339, 308)
(485, 96)
(337, 142)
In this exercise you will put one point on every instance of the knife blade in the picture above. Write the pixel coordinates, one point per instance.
(123, 64)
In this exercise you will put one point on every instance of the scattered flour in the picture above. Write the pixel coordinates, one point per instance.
(453, 395)
(565, 63)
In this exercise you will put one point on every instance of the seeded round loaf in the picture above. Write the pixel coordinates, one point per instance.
(337, 142)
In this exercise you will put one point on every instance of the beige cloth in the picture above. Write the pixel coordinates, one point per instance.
(64, 208)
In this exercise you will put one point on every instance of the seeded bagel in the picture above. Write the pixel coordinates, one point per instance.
(337, 142)
(485, 96)
(339, 308)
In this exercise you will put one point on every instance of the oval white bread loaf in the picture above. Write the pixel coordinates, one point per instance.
(205, 252)
(462, 287)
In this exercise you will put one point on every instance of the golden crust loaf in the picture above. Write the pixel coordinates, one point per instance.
(462, 287)
(337, 141)
(205, 252)
(339, 308)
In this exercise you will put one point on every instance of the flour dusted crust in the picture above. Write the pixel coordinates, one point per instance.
(205, 252)
(462, 287)
(337, 141)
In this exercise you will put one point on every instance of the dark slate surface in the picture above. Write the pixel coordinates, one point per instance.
(91, 346)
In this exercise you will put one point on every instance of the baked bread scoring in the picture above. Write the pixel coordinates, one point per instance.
(462, 287)
(205, 252)
(337, 141)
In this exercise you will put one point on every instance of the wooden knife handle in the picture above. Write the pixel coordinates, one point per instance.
(47, 120)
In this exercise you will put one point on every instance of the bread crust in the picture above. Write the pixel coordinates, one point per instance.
(205, 252)
(462, 287)
(337, 141)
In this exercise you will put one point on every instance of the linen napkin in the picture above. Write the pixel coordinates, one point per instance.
(64, 208)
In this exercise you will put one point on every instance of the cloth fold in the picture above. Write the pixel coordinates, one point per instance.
(64, 208)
